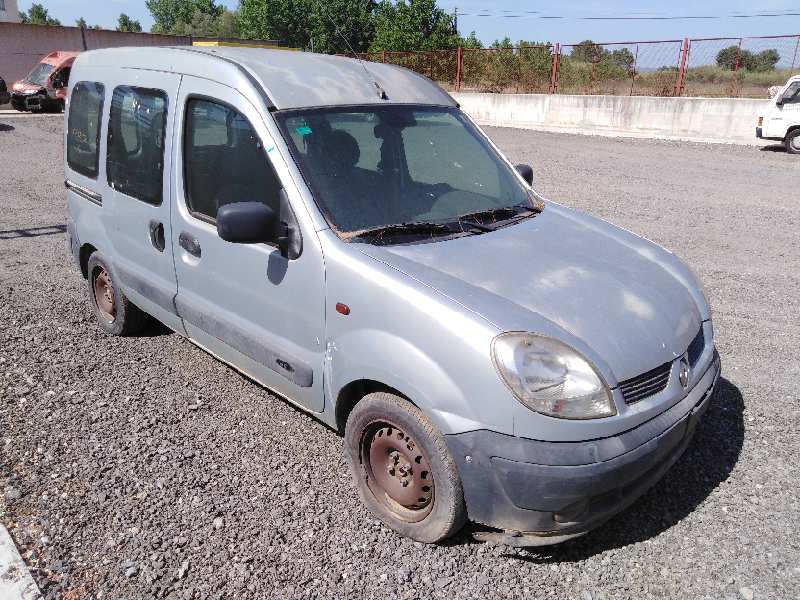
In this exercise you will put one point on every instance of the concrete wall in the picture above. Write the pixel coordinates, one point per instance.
(22, 46)
(8, 11)
(730, 120)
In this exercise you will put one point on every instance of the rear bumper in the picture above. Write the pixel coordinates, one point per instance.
(562, 489)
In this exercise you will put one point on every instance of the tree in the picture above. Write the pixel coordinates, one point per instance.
(125, 23)
(587, 51)
(623, 58)
(228, 25)
(168, 13)
(727, 57)
(765, 60)
(38, 15)
(413, 25)
(505, 43)
(471, 41)
(330, 26)
(201, 25)
(81, 22)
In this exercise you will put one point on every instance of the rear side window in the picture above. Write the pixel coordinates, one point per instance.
(136, 125)
(224, 160)
(83, 128)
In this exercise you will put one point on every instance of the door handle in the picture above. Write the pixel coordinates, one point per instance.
(189, 243)
(157, 235)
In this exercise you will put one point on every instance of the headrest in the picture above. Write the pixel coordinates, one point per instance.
(342, 149)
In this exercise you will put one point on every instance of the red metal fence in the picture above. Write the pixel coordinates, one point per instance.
(730, 67)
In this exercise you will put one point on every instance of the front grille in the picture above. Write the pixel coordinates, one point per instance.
(656, 380)
(696, 347)
(645, 385)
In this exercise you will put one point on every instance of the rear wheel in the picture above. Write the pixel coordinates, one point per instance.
(403, 469)
(793, 142)
(115, 314)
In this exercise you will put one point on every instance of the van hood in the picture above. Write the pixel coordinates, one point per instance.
(24, 86)
(626, 301)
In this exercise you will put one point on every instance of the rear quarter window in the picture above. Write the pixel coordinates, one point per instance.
(83, 128)
(136, 125)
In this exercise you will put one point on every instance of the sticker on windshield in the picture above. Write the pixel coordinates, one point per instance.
(304, 130)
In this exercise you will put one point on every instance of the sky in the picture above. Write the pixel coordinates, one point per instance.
(529, 24)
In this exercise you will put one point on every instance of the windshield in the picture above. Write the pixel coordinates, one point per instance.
(373, 167)
(39, 74)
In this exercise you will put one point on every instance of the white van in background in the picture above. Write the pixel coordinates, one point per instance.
(780, 120)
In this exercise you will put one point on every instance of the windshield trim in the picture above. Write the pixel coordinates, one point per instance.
(282, 117)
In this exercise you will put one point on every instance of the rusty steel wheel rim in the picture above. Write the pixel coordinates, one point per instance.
(398, 473)
(104, 295)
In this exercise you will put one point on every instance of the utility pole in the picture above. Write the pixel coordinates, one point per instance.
(455, 18)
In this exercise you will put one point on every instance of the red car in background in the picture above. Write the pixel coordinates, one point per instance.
(45, 87)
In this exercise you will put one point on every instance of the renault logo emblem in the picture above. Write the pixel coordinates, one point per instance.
(683, 371)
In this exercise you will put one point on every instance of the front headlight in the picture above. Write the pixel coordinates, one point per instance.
(550, 377)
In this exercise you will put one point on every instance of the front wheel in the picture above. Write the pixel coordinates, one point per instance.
(793, 142)
(403, 470)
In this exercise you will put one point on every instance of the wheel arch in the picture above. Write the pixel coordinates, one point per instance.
(83, 258)
(352, 393)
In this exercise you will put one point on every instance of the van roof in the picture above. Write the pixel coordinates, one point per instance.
(289, 79)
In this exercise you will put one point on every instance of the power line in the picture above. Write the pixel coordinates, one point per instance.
(534, 14)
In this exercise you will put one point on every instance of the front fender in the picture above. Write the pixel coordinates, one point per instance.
(393, 361)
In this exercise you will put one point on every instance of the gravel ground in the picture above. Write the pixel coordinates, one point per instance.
(143, 468)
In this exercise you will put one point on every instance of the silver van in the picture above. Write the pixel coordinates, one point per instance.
(344, 235)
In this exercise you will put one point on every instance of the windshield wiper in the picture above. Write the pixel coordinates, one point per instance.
(415, 227)
(497, 217)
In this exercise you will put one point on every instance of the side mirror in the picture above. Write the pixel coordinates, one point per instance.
(246, 223)
(779, 100)
(527, 173)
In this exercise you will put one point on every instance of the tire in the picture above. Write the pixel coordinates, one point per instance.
(793, 142)
(115, 314)
(384, 436)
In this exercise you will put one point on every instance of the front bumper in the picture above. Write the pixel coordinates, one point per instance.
(29, 102)
(559, 490)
